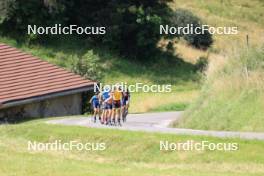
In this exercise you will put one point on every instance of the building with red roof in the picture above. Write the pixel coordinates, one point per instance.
(31, 87)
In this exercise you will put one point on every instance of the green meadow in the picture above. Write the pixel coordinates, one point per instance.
(127, 153)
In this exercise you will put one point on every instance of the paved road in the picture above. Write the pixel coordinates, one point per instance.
(156, 122)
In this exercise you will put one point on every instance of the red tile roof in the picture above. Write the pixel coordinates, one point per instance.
(24, 76)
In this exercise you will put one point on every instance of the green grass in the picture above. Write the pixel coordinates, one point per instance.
(232, 99)
(127, 153)
(171, 107)
(229, 100)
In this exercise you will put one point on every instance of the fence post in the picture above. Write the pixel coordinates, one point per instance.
(246, 69)
(247, 41)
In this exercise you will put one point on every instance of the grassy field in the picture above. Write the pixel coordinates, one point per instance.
(232, 98)
(127, 153)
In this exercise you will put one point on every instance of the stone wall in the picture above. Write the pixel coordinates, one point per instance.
(60, 106)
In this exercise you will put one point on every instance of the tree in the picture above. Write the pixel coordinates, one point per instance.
(87, 66)
(181, 18)
(132, 26)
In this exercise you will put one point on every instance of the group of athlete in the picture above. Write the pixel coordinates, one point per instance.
(111, 105)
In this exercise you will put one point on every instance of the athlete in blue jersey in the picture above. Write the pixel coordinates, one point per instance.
(96, 105)
(107, 106)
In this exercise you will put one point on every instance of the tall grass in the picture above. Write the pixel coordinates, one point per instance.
(233, 95)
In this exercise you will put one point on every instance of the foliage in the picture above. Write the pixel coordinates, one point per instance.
(201, 64)
(4, 9)
(18, 14)
(87, 66)
(182, 18)
(131, 26)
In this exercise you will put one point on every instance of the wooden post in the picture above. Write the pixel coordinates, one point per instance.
(247, 41)
(246, 69)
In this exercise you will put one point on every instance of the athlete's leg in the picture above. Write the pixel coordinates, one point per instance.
(123, 113)
(118, 115)
(110, 113)
(118, 111)
(122, 110)
(113, 115)
(126, 108)
(105, 114)
(94, 115)
(99, 113)
(102, 115)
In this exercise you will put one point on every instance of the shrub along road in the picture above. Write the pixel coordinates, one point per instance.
(156, 122)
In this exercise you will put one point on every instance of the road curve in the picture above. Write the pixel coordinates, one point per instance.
(156, 122)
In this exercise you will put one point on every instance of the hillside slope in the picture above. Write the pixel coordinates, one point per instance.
(244, 14)
(232, 97)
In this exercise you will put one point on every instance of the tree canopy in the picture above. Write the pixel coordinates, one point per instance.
(132, 26)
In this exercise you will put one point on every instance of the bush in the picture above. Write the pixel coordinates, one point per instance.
(133, 28)
(181, 18)
(87, 66)
(201, 64)
(4, 6)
